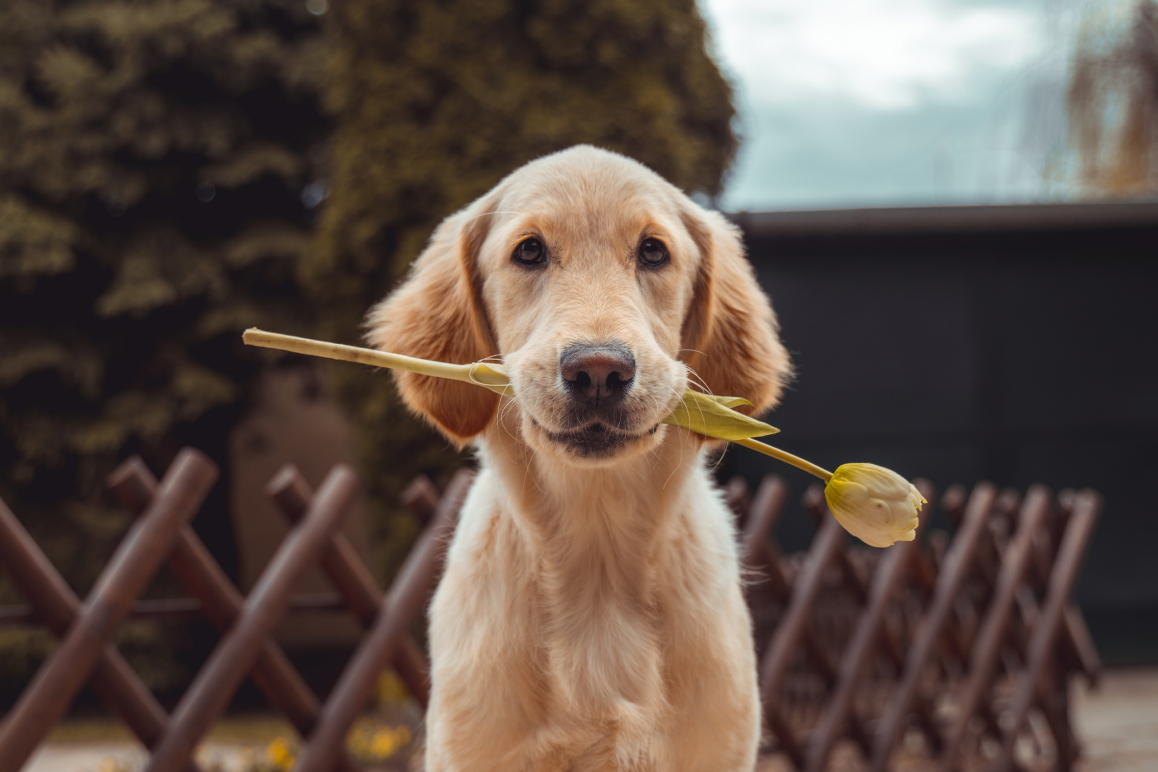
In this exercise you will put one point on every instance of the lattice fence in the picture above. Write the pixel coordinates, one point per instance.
(955, 653)
(965, 646)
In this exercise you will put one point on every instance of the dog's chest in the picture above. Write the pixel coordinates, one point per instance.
(603, 642)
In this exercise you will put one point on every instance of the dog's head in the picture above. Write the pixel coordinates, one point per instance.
(605, 291)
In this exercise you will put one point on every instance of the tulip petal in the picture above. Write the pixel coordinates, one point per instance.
(713, 417)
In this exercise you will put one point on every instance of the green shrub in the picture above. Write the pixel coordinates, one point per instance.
(154, 159)
(151, 174)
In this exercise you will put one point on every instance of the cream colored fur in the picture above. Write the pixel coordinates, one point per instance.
(591, 616)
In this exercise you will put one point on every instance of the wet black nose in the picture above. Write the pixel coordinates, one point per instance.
(597, 374)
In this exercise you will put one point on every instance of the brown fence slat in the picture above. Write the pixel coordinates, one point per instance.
(133, 564)
(176, 609)
(405, 600)
(1078, 641)
(421, 498)
(239, 649)
(341, 563)
(1049, 625)
(756, 550)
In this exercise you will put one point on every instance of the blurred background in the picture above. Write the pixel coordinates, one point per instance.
(952, 203)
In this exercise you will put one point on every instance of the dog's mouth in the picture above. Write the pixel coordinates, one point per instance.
(594, 440)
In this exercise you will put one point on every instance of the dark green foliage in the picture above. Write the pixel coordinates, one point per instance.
(437, 101)
(152, 164)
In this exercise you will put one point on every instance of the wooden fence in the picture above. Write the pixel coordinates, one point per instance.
(967, 643)
(957, 641)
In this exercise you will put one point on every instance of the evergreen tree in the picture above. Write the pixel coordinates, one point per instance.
(434, 102)
(158, 170)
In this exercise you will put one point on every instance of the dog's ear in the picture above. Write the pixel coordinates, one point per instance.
(437, 314)
(731, 338)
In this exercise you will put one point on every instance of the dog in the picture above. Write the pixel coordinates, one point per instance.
(591, 615)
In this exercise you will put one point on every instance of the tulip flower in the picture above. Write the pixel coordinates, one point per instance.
(875, 504)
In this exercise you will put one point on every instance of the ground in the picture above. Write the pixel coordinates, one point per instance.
(1117, 723)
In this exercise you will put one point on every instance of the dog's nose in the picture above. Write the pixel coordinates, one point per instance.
(599, 373)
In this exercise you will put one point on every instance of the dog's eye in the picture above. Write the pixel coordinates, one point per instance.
(653, 252)
(530, 252)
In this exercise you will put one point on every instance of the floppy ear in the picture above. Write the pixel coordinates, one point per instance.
(437, 314)
(730, 335)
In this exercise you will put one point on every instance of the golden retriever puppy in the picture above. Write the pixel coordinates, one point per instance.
(591, 614)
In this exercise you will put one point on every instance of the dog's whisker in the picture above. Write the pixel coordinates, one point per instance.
(698, 380)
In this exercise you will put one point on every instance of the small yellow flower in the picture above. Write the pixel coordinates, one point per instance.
(391, 690)
(874, 504)
(280, 753)
(371, 743)
(384, 743)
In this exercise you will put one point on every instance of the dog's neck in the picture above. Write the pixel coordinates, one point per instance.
(598, 534)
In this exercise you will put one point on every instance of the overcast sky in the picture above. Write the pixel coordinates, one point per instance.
(894, 102)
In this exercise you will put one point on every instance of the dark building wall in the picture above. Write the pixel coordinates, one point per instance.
(1013, 344)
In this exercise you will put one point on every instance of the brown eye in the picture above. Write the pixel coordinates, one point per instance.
(653, 253)
(530, 252)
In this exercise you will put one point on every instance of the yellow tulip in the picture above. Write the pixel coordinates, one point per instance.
(874, 504)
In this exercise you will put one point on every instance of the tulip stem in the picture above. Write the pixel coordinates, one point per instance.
(365, 356)
(489, 375)
(787, 458)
